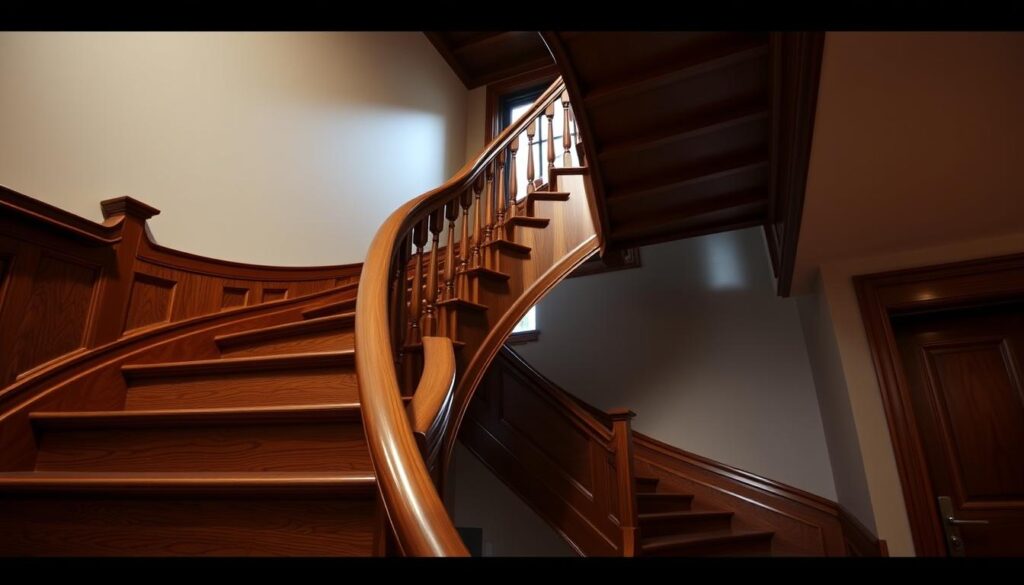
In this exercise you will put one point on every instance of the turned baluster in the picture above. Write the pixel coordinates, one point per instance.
(549, 113)
(399, 308)
(513, 181)
(429, 326)
(566, 138)
(622, 442)
(451, 212)
(466, 201)
(499, 183)
(478, 225)
(489, 208)
(419, 239)
(531, 131)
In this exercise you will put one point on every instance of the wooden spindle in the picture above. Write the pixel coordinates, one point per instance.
(499, 184)
(451, 213)
(419, 239)
(399, 308)
(478, 227)
(429, 326)
(549, 113)
(513, 181)
(465, 201)
(531, 131)
(622, 443)
(566, 138)
(488, 208)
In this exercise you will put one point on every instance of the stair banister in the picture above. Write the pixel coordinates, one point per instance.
(417, 515)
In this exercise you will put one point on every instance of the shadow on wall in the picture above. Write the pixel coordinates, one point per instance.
(699, 346)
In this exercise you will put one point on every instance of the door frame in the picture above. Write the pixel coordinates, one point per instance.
(885, 294)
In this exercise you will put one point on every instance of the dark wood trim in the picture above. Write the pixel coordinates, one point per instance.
(796, 71)
(522, 337)
(543, 76)
(860, 542)
(599, 202)
(57, 220)
(615, 259)
(450, 58)
(886, 294)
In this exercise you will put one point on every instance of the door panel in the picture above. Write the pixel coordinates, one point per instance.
(963, 372)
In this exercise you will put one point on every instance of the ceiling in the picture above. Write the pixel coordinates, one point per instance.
(483, 57)
(918, 142)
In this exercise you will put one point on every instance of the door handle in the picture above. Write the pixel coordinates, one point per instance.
(954, 521)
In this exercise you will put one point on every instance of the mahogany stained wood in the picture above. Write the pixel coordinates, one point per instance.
(479, 58)
(963, 370)
(677, 493)
(68, 284)
(883, 295)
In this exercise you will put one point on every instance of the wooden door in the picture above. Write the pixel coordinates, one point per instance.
(963, 369)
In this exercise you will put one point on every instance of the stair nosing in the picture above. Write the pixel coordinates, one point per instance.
(688, 540)
(325, 307)
(530, 222)
(312, 325)
(235, 365)
(190, 483)
(193, 417)
(659, 516)
(482, 272)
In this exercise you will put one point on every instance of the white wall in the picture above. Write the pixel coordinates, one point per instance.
(273, 148)
(699, 346)
(476, 118)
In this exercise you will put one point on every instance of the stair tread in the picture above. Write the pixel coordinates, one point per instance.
(240, 364)
(548, 195)
(195, 416)
(275, 331)
(488, 273)
(526, 221)
(656, 516)
(509, 246)
(463, 303)
(328, 308)
(715, 537)
(232, 483)
(665, 496)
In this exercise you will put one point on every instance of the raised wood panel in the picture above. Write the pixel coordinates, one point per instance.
(234, 297)
(276, 294)
(150, 302)
(57, 314)
(526, 413)
(987, 436)
(4, 263)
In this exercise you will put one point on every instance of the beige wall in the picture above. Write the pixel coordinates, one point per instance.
(697, 344)
(274, 148)
(476, 117)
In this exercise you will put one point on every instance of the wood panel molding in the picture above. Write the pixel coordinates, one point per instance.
(796, 71)
(68, 284)
(803, 523)
(883, 295)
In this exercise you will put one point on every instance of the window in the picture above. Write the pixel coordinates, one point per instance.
(526, 329)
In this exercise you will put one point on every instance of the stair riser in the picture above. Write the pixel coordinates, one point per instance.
(302, 343)
(330, 309)
(649, 506)
(751, 548)
(59, 526)
(649, 529)
(266, 388)
(646, 487)
(308, 446)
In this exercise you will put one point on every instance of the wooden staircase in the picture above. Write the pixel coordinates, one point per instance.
(258, 452)
(673, 524)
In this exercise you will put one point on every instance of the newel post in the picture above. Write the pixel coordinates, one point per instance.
(622, 443)
(117, 284)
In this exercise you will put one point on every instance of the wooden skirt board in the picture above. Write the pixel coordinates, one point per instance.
(947, 343)
(963, 369)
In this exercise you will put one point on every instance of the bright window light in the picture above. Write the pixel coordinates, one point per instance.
(528, 323)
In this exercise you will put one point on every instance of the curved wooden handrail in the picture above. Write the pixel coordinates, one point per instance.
(418, 517)
(428, 409)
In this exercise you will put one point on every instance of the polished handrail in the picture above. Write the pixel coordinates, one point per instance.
(417, 515)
